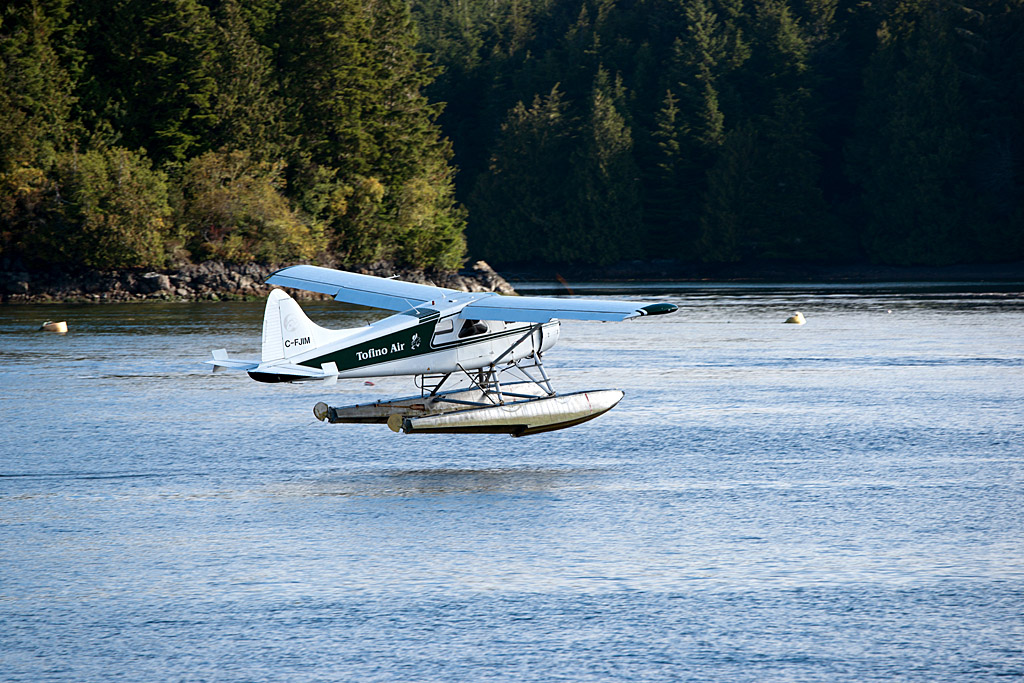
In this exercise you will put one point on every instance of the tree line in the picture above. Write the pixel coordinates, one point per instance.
(143, 133)
(723, 131)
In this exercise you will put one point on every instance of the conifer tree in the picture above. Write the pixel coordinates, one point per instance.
(35, 87)
(36, 127)
(663, 200)
(699, 59)
(794, 220)
(729, 222)
(150, 79)
(248, 107)
(355, 83)
(329, 82)
(605, 219)
(520, 203)
(909, 153)
(990, 58)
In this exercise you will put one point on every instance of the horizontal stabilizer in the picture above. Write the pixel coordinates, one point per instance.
(534, 309)
(221, 360)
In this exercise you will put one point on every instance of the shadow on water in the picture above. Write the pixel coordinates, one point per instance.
(442, 482)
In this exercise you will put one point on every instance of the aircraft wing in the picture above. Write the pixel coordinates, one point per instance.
(535, 309)
(364, 290)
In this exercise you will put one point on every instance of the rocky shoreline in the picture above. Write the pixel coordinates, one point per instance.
(215, 281)
(209, 281)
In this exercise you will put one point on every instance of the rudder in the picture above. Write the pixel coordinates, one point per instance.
(287, 331)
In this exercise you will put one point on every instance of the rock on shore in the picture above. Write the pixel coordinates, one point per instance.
(209, 281)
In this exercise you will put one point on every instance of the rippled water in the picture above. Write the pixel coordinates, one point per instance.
(842, 500)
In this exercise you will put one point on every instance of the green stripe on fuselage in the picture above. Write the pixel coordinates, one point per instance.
(406, 343)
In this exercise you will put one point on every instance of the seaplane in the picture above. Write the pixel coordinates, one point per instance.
(476, 358)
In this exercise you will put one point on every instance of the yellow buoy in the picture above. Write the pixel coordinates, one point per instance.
(50, 326)
(797, 318)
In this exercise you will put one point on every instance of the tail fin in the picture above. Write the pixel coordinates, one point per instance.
(287, 331)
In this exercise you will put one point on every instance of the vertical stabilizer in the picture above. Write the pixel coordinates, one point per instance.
(287, 331)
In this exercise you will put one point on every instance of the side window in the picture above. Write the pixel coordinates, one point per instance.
(444, 332)
(471, 328)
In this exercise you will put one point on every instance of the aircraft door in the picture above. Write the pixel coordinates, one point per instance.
(477, 352)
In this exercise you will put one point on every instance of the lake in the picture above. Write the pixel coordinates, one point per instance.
(837, 501)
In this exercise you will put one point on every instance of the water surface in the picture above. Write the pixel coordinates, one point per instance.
(842, 500)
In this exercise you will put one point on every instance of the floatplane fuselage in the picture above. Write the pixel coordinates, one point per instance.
(494, 342)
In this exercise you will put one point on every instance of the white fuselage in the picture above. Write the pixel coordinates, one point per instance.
(416, 342)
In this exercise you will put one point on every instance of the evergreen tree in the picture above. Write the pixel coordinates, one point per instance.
(35, 88)
(730, 220)
(699, 59)
(150, 80)
(779, 58)
(329, 82)
(35, 118)
(663, 197)
(519, 205)
(794, 220)
(604, 223)
(248, 107)
(990, 59)
(909, 153)
(355, 81)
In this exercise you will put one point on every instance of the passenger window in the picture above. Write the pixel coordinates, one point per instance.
(444, 327)
(471, 328)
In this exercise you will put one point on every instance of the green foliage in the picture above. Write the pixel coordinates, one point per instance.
(281, 133)
(383, 184)
(909, 156)
(605, 217)
(232, 208)
(110, 210)
(25, 197)
(151, 74)
(761, 129)
(524, 193)
(730, 222)
(585, 131)
(248, 108)
(35, 87)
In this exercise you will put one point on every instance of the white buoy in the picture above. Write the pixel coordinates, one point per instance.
(796, 319)
(50, 326)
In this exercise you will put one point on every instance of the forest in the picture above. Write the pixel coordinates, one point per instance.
(148, 133)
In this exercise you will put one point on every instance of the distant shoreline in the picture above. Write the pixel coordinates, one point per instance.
(673, 271)
(216, 281)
